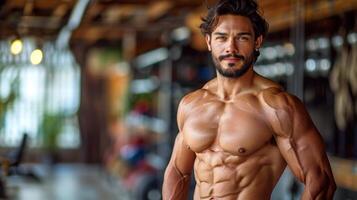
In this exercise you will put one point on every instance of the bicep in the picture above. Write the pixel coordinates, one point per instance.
(303, 152)
(300, 142)
(306, 157)
(182, 157)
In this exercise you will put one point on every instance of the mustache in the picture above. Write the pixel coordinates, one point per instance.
(239, 56)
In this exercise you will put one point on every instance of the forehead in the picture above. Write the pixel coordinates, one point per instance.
(228, 23)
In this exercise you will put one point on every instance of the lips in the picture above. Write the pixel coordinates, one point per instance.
(232, 59)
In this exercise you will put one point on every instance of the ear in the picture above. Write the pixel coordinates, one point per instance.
(208, 42)
(258, 42)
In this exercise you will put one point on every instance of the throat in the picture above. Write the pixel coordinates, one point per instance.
(228, 88)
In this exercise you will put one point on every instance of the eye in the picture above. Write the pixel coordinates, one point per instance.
(221, 38)
(243, 38)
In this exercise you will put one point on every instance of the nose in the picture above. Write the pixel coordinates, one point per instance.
(232, 47)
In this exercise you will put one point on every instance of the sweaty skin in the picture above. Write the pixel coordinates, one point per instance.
(238, 134)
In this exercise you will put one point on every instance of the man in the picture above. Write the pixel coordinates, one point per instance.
(240, 130)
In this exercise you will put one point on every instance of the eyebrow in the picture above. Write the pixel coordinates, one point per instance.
(239, 34)
(245, 33)
(219, 33)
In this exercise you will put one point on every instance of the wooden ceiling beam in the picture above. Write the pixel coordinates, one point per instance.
(28, 8)
(61, 10)
(116, 31)
(157, 9)
(7, 32)
(95, 33)
(120, 2)
(315, 10)
(38, 4)
(93, 10)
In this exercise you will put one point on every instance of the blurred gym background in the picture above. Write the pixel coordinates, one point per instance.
(89, 90)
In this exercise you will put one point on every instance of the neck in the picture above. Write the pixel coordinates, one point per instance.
(230, 87)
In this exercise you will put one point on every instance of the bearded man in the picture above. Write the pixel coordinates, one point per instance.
(240, 130)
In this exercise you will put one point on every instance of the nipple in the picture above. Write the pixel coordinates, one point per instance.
(241, 150)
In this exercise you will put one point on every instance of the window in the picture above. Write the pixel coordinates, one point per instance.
(51, 88)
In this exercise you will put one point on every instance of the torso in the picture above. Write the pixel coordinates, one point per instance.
(236, 156)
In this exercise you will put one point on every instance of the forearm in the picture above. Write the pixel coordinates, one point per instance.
(319, 187)
(176, 184)
(326, 194)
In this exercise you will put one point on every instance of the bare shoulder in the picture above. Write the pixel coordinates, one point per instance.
(277, 98)
(273, 95)
(284, 111)
(195, 97)
(191, 99)
(188, 103)
(264, 83)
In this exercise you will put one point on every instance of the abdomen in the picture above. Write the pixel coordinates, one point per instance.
(220, 175)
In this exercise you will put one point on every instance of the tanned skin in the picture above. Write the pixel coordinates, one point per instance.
(238, 134)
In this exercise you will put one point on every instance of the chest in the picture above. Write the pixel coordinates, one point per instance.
(238, 128)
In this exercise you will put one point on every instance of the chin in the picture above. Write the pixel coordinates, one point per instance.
(235, 66)
(230, 70)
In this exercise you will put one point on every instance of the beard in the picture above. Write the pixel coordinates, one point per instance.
(231, 72)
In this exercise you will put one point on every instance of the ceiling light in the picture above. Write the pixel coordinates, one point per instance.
(16, 46)
(36, 56)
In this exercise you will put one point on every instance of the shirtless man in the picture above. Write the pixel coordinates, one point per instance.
(240, 130)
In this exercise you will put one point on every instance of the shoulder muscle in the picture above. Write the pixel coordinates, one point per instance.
(187, 103)
(280, 108)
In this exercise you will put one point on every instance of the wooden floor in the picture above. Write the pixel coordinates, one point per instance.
(66, 182)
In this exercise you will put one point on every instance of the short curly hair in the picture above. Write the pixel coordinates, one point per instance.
(247, 8)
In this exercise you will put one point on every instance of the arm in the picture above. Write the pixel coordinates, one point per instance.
(178, 171)
(301, 145)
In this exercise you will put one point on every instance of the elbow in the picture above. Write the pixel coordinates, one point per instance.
(321, 186)
(175, 184)
(332, 187)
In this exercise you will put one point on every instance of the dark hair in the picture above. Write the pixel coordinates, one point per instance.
(247, 8)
